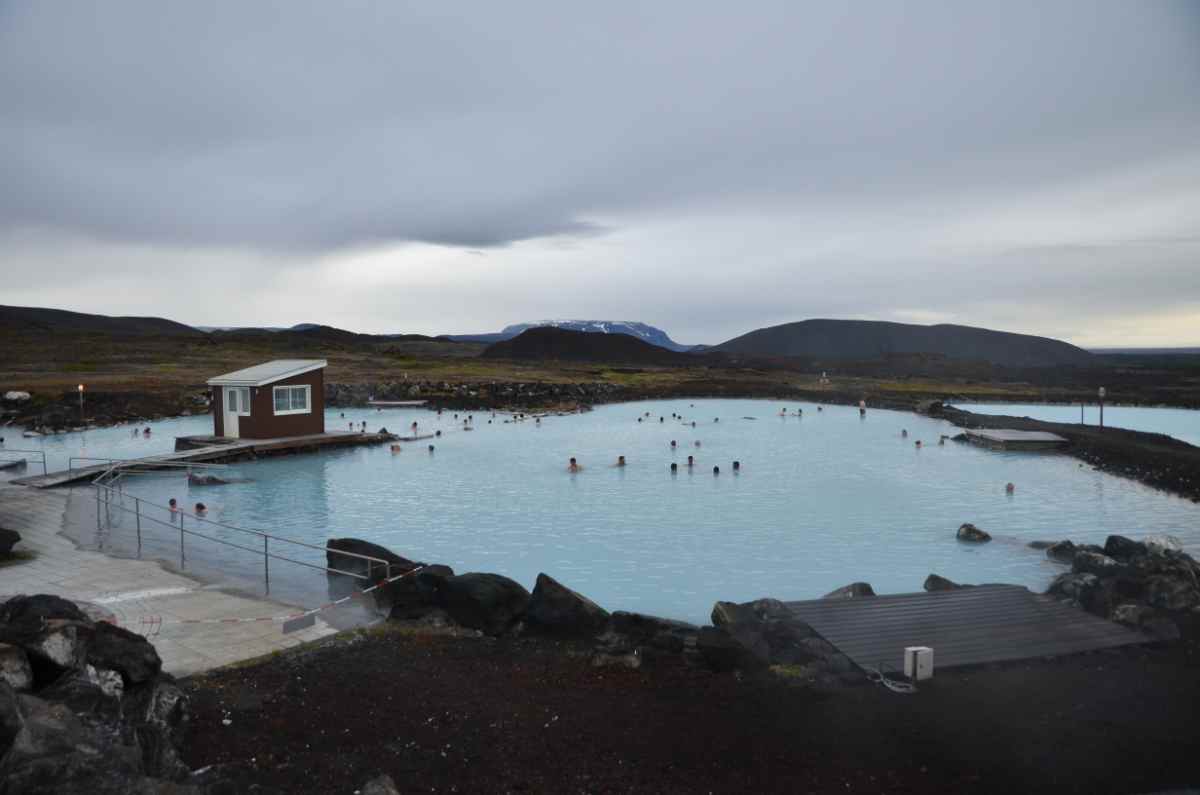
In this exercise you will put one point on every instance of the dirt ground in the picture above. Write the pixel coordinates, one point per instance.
(461, 714)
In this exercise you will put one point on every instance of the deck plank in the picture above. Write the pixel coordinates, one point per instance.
(971, 626)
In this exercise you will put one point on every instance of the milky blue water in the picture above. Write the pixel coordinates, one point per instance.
(822, 500)
(1183, 424)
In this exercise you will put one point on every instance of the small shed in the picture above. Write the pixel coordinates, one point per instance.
(284, 397)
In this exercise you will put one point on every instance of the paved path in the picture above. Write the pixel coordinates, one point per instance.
(132, 590)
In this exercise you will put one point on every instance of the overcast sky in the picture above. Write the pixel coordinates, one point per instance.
(709, 168)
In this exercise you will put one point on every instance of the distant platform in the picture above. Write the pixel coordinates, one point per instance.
(1001, 439)
(969, 626)
(383, 404)
(214, 450)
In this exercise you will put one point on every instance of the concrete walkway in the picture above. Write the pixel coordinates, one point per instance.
(140, 595)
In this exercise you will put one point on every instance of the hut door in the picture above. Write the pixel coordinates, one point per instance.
(233, 407)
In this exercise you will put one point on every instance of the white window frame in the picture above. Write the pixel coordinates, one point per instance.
(307, 399)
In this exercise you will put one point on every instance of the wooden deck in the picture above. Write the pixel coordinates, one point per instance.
(1003, 439)
(970, 626)
(213, 450)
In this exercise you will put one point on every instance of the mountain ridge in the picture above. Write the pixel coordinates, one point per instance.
(828, 338)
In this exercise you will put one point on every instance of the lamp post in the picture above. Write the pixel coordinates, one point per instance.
(1101, 393)
(80, 387)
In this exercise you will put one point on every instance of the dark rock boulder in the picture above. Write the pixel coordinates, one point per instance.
(854, 590)
(1041, 544)
(15, 668)
(971, 533)
(416, 595)
(1122, 548)
(1094, 563)
(1074, 586)
(8, 538)
(351, 564)
(488, 602)
(53, 631)
(126, 652)
(1062, 552)
(89, 691)
(56, 752)
(380, 785)
(725, 614)
(662, 634)
(556, 609)
(935, 582)
(10, 716)
(1146, 619)
(723, 653)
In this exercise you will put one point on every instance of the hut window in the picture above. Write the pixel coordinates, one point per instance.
(292, 399)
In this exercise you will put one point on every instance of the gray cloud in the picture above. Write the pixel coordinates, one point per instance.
(709, 168)
(319, 126)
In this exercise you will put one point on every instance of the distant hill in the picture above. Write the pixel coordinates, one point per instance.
(550, 343)
(642, 331)
(297, 327)
(873, 339)
(27, 318)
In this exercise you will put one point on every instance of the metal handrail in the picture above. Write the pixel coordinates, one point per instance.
(42, 453)
(105, 492)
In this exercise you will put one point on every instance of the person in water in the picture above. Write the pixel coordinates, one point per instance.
(672, 444)
(173, 505)
(904, 433)
(620, 460)
(716, 470)
(395, 449)
(697, 442)
(146, 432)
(737, 466)
(691, 461)
(201, 509)
(1010, 488)
(431, 448)
(674, 467)
(573, 466)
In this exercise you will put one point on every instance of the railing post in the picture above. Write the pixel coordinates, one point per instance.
(182, 557)
(97, 508)
(137, 513)
(267, 564)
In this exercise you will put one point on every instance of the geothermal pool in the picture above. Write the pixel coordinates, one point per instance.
(822, 499)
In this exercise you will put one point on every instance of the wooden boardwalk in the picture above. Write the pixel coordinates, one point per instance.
(970, 626)
(216, 453)
(1004, 439)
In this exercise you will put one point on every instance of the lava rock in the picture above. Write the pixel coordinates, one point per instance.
(1062, 552)
(1122, 548)
(935, 582)
(1041, 544)
(854, 590)
(355, 565)
(416, 595)
(555, 608)
(87, 692)
(8, 538)
(1094, 563)
(488, 602)
(1074, 586)
(15, 668)
(10, 716)
(663, 634)
(723, 653)
(971, 533)
(123, 651)
(1161, 544)
(380, 785)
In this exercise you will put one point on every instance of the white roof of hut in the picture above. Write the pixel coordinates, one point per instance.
(268, 372)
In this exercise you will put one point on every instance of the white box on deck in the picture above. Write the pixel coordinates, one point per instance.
(918, 662)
